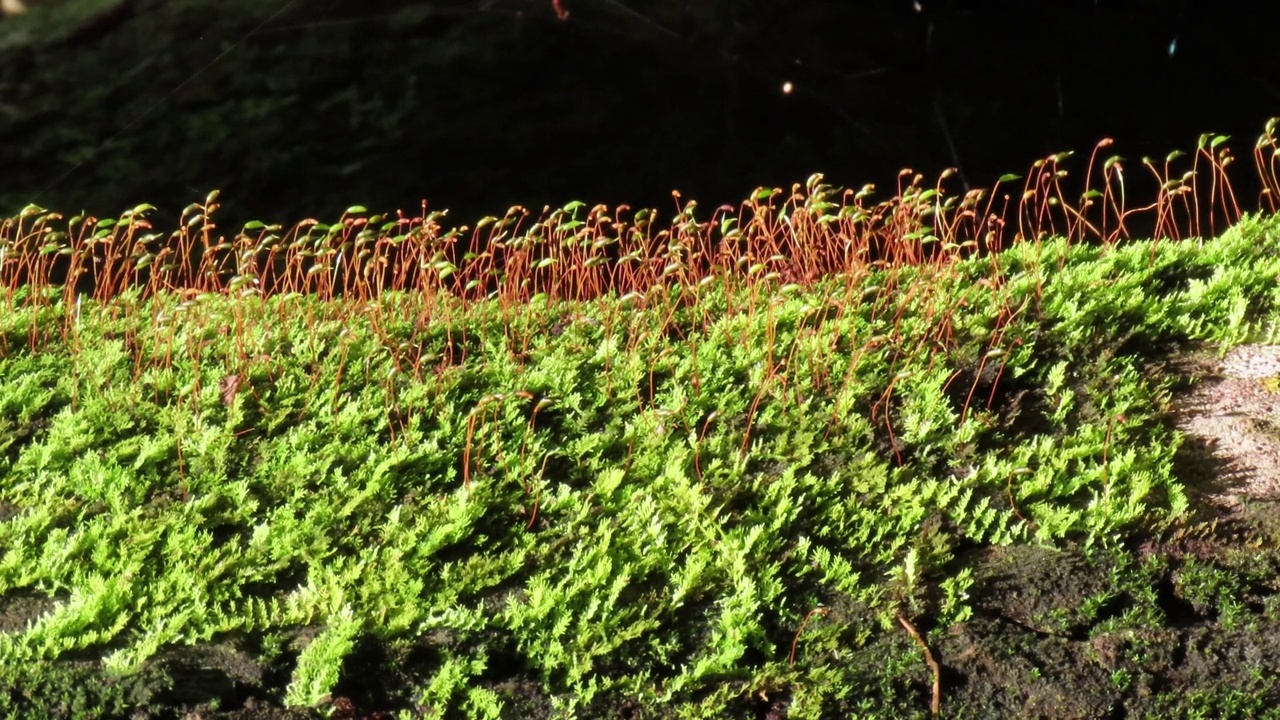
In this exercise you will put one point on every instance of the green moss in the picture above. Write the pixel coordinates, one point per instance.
(1272, 384)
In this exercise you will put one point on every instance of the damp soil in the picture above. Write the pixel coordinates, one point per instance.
(1054, 635)
(1183, 625)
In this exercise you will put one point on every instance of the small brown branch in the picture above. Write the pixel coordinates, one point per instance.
(796, 640)
(936, 705)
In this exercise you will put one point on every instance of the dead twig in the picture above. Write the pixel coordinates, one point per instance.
(936, 705)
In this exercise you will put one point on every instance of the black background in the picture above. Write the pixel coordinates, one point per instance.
(301, 109)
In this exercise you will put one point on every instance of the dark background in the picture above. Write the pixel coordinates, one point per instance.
(303, 108)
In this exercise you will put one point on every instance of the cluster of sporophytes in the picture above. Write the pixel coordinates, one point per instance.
(693, 469)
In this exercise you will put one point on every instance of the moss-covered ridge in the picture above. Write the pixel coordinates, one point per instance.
(728, 506)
